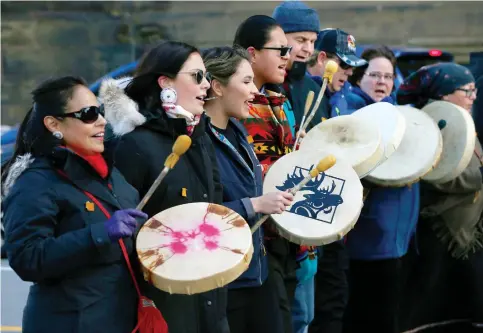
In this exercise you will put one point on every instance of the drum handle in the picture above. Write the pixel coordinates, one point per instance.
(308, 103)
(323, 165)
(330, 68)
(180, 146)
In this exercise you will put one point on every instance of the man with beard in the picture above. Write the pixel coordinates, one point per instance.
(339, 46)
(301, 26)
(331, 285)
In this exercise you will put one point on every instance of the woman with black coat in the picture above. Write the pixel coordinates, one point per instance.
(164, 100)
(56, 236)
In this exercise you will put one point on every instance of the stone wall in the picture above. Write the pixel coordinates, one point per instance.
(43, 39)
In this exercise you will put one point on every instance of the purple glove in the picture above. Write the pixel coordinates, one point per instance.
(123, 223)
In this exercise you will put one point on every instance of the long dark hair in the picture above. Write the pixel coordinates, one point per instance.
(49, 99)
(166, 58)
(255, 31)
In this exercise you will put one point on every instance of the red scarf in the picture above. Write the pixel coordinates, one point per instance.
(96, 161)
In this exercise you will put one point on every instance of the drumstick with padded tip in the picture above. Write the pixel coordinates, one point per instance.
(308, 103)
(330, 69)
(180, 146)
(323, 165)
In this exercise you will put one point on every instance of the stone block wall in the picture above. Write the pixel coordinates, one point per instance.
(44, 39)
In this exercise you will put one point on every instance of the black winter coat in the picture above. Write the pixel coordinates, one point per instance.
(80, 280)
(140, 157)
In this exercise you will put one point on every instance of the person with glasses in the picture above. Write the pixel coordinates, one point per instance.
(373, 82)
(268, 127)
(339, 46)
(252, 297)
(301, 25)
(166, 99)
(449, 267)
(379, 243)
(56, 236)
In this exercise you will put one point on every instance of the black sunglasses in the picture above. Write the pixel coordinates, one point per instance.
(87, 115)
(199, 75)
(284, 50)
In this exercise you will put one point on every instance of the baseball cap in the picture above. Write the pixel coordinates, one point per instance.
(340, 43)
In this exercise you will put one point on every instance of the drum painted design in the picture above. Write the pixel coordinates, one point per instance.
(356, 141)
(194, 248)
(458, 131)
(320, 201)
(325, 209)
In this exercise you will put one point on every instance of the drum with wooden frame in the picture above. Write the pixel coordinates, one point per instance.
(325, 209)
(351, 139)
(418, 153)
(193, 248)
(459, 135)
(391, 124)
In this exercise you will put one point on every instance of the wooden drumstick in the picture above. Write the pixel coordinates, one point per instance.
(323, 165)
(180, 146)
(330, 69)
(308, 103)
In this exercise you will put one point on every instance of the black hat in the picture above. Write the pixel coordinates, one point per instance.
(340, 43)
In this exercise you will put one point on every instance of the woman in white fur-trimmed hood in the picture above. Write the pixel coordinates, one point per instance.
(165, 99)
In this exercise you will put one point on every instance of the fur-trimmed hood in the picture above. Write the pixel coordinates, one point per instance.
(121, 112)
(16, 169)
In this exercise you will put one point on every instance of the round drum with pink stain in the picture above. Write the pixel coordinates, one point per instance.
(194, 248)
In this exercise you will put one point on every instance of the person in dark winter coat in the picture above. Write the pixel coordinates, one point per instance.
(379, 242)
(446, 282)
(252, 298)
(170, 73)
(56, 236)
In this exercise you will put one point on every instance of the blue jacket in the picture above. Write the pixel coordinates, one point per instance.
(334, 102)
(389, 217)
(240, 183)
(358, 99)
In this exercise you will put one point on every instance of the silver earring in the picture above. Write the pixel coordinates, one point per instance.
(58, 135)
(168, 96)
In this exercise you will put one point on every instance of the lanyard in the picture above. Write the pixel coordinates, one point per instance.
(227, 142)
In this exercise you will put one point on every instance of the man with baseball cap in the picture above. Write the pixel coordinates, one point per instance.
(301, 26)
(331, 284)
(339, 46)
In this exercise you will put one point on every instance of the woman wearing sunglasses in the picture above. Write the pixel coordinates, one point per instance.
(449, 269)
(167, 96)
(56, 236)
(252, 298)
(269, 128)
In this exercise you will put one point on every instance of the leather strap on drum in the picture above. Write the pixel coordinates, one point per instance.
(146, 320)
